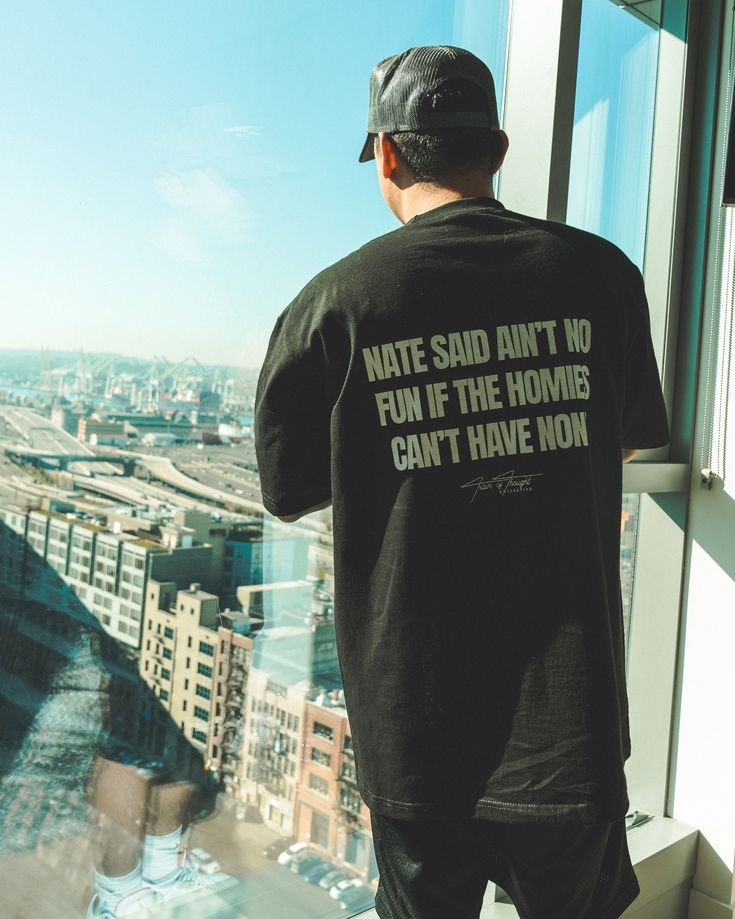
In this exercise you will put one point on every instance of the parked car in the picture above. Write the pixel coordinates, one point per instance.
(332, 877)
(292, 851)
(205, 862)
(306, 854)
(336, 891)
(295, 854)
(273, 849)
(301, 866)
(357, 898)
(314, 875)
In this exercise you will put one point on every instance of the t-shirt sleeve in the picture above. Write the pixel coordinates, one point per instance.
(292, 417)
(644, 419)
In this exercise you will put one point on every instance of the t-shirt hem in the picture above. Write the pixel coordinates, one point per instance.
(624, 899)
(293, 505)
(491, 809)
(643, 444)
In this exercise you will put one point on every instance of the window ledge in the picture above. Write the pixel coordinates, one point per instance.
(663, 852)
(653, 478)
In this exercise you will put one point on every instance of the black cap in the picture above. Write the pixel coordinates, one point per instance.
(402, 87)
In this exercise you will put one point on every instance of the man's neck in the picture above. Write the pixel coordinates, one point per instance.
(420, 197)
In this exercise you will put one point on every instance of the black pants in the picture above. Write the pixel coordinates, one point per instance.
(439, 869)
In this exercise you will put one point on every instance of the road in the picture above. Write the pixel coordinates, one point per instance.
(40, 434)
(214, 479)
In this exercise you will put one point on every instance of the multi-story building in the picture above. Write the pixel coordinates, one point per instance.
(67, 416)
(273, 731)
(107, 571)
(354, 831)
(185, 527)
(95, 429)
(330, 814)
(177, 655)
(292, 654)
(278, 603)
(297, 641)
(318, 793)
(252, 559)
(232, 667)
(13, 547)
(141, 423)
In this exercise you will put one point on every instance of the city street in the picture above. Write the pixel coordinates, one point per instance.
(257, 887)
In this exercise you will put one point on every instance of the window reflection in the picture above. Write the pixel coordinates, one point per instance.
(170, 693)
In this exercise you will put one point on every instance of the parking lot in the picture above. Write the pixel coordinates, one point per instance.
(266, 889)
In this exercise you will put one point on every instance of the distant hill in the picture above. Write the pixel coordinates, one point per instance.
(24, 360)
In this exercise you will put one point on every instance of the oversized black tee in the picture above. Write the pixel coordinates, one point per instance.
(462, 388)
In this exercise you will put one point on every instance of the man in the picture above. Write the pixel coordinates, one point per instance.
(460, 389)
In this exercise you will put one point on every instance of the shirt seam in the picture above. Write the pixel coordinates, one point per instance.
(502, 804)
(426, 216)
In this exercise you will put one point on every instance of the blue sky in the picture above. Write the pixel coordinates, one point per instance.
(175, 172)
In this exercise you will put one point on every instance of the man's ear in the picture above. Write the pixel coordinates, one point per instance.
(504, 143)
(389, 153)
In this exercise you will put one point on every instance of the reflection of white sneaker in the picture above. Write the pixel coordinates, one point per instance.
(140, 902)
(186, 879)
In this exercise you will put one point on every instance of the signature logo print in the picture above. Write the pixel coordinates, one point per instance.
(504, 483)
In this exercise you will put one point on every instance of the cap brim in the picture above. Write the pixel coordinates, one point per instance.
(367, 152)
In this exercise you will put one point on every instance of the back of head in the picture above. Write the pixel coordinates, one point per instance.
(437, 105)
(434, 156)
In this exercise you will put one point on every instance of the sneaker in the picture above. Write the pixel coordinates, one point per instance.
(140, 902)
(185, 879)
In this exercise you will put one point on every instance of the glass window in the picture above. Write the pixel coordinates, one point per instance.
(613, 126)
(610, 167)
(319, 829)
(204, 168)
(323, 730)
(319, 756)
(318, 784)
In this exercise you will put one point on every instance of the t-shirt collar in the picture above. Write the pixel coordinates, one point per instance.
(458, 206)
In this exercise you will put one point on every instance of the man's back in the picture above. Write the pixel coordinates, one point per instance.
(474, 375)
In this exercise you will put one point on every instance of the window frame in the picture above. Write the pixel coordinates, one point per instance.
(541, 72)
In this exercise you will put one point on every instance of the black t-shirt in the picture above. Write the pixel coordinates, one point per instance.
(462, 388)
